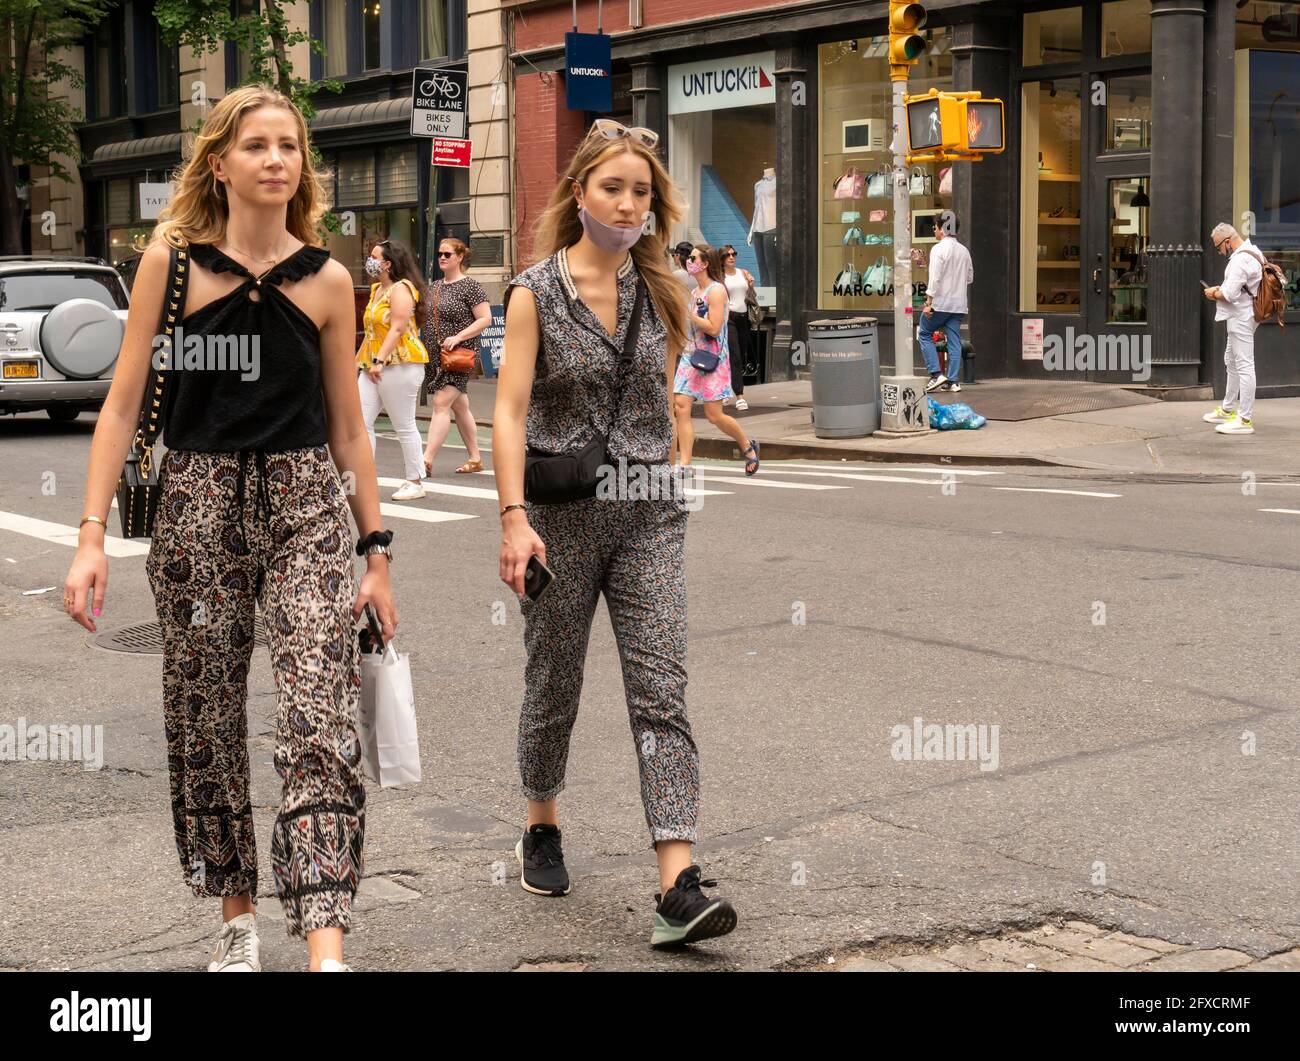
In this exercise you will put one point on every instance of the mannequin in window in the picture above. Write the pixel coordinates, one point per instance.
(764, 226)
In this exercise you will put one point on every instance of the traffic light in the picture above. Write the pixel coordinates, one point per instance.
(905, 43)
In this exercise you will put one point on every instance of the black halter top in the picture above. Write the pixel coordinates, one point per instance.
(245, 374)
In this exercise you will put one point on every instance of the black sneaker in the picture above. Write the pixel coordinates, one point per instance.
(542, 858)
(685, 914)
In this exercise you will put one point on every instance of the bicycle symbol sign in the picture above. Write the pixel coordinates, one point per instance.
(438, 103)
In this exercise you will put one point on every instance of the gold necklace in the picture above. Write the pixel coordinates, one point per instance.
(274, 260)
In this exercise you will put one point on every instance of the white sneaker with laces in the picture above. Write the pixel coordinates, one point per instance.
(329, 965)
(409, 492)
(741, 405)
(237, 947)
(935, 382)
(1218, 415)
(1236, 426)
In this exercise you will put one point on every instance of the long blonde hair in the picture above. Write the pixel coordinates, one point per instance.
(559, 225)
(199, 210)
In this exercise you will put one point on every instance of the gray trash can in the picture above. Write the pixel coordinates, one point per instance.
(844, 356)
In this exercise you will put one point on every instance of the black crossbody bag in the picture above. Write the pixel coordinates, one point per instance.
(139, 487)
(556, 478)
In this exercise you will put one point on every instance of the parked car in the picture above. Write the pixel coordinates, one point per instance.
(61, 326)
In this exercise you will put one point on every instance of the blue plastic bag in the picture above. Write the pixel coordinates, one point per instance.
(953, 417)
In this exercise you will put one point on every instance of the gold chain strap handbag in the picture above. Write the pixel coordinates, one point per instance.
(138, 489)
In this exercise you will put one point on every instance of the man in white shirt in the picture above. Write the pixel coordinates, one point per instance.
(1234, 302)
(945, 303)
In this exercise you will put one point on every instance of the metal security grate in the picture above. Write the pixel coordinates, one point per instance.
(146, 638)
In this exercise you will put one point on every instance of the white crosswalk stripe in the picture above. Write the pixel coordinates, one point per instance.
(1283, 511)
(865, 477)
(451, 489)
(772, 483)
(1045, 490)
(410, 510)
(61, 534)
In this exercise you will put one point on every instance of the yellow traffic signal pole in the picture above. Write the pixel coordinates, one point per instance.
(904, 411)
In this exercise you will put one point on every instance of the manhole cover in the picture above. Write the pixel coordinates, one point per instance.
(146, 638)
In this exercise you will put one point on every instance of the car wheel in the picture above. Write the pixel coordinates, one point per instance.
(63, 414)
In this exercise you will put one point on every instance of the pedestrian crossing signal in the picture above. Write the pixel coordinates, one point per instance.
(953, 126)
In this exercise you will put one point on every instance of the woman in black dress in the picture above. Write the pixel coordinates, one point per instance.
(460, 314)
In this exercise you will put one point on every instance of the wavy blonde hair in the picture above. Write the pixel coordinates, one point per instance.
(198, 210)
(559, 225)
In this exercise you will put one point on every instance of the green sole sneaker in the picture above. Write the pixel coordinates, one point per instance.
(717, 920)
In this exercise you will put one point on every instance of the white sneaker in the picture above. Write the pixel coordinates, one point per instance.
(741, 405)
(935, 382)
(1236, 426)
(1218, 415)
(409, 492)
(237, 947)
(329, 965)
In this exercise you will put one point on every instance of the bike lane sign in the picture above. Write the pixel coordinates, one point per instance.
(439, 104)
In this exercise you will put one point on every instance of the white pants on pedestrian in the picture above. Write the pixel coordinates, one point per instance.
(398, 390)
(1239, 357)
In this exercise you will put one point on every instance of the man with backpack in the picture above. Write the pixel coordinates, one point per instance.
(1244, 299)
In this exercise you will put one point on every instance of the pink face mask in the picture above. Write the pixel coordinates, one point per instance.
(694, 266)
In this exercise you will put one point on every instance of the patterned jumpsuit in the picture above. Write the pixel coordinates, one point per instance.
(632, 551)
(253, 512)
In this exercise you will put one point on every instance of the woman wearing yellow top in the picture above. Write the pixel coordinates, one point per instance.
(392, 357)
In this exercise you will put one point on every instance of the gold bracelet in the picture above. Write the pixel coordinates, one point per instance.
(92, 519)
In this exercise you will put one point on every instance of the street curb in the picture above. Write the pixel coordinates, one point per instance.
(725, 449)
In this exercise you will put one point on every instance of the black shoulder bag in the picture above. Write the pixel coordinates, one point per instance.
(138, 489)
(555, 478)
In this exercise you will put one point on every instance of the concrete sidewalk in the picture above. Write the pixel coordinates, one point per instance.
(1164, 437)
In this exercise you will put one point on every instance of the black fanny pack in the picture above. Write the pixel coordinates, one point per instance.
(556, 478)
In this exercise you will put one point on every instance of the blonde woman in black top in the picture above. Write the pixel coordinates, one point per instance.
(253, 509)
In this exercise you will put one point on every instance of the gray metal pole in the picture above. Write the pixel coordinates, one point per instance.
(903, 408)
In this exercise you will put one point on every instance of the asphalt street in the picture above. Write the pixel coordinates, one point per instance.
(1147, 770)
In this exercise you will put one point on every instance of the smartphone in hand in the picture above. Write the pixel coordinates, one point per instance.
(537, 578)
(1205, 285)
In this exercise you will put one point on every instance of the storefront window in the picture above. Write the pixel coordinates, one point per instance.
(1050, 195)
(1128, 113)
(1266, 179)
(1053, 36)
(1125, 27)
(356, 177)
(1129, 205)
(856, 231)
(722, 147)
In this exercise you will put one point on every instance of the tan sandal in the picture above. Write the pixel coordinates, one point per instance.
(469, 467)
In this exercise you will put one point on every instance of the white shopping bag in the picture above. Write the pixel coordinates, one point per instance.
(390, 751)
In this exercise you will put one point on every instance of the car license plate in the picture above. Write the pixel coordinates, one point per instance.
(22, 370)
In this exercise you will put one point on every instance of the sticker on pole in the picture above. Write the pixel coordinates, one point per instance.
(439, 102)
(889, 399)
(449, 152)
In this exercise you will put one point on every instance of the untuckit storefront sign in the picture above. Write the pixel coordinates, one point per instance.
(714, 84)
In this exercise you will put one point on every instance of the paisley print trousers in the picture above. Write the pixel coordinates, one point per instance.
(286, 548)
(632, 552)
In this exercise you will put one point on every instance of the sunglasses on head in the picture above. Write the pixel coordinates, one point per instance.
(612, 130)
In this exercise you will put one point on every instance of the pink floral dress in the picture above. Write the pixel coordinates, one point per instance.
(703, 386)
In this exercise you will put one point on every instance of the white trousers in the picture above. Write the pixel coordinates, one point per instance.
(1239, 357)
(398, 390)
